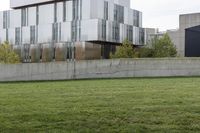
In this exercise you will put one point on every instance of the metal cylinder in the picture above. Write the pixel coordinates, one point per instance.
(47, 53)
(60, 52)
(35, 53)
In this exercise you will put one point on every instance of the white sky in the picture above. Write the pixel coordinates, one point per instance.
(4, 5)
(162, 14)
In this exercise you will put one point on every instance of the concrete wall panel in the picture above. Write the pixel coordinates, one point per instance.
(101, 69)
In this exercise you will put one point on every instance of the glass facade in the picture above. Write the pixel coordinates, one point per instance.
(71, 21)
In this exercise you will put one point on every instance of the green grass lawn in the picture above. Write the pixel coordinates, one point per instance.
(118, 105)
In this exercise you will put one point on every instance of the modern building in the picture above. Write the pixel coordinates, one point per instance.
(179, 36)
(69, 29)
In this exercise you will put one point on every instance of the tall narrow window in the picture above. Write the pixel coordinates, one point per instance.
(55, 12)
(23, 17)
(115, 31)
(80, 10)
(119, 13)
(141, 35)
(17, 36)
(37, 15)
(130, 33)
(60, 31)
(104, 29)
(74, 30)
(115, 13)
(64, 11)
(32, 35)
(106, 10)
(55, 32)
(136, 18)
(75, 9)
(5, 19)
(78, 28)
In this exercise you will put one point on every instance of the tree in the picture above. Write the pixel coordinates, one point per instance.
(159, 47)
(7, 55)
(126, 50)
(164, 47)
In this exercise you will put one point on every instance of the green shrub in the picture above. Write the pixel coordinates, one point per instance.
(126, 50)
(159, 47)
(7, 54)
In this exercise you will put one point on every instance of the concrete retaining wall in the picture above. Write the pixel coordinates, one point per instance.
(101, 69)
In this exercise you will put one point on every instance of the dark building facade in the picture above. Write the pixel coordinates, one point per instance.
(192, 42)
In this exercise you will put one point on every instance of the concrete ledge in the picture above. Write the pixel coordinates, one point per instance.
(116, 68)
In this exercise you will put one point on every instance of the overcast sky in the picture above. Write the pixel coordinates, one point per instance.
(162, 14)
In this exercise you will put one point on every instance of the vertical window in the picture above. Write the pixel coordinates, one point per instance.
(74, 31)
(37, 15)
(141, 36)
(5, 19)
(76, 25)
(55, 32)
(130, 33)
(6, 22)
(115, 31)
(80, 11)
(64, 11)
(79, 30)
(103, 29)
(60, 31)
(17, 36)
(106, 10)
(119, 13)
(115, 13)
(136, 18)
(23, 16)
(75, 9)
(55, 12)
(32, 35)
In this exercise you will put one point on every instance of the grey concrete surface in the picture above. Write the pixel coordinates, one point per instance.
(117, 68)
